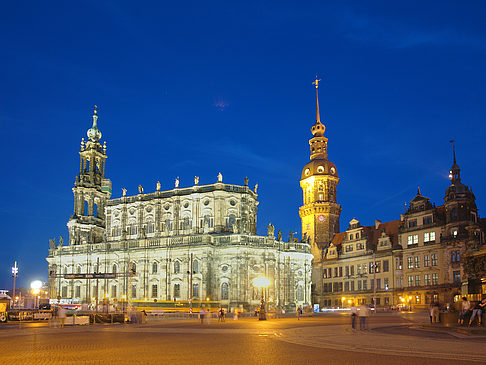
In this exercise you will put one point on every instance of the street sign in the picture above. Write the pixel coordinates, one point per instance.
(90, 276)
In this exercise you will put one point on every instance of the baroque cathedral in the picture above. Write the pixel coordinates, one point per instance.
(191, 243)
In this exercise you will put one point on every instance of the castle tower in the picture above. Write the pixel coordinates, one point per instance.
(320, 211)
(459, 202)
(91, 190)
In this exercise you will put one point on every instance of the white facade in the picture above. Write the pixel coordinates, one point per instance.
(181, 244)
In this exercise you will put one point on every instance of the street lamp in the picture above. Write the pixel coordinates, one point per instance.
(262, 283)
(15, 272)
(342, 301)
(36, 285)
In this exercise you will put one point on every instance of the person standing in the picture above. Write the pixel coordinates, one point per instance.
(299, 313)
(363, 313)
(354, 314)
(435, 312)
(465, 309)
(61, 313)
(201, 315)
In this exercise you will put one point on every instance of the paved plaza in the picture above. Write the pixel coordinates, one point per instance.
(326, 339)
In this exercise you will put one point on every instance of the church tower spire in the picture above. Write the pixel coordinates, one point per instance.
(320, 212)
(91, 190)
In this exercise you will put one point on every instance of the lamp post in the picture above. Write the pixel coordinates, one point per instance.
(262, 283)
(36, 285)
(15, 272)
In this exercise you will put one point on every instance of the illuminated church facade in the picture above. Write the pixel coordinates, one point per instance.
(190, 243)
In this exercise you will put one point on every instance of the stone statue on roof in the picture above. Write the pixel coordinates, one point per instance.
(196, 180)
(140, 189)
(158, 186)
(220, 177)
(124, 192)
(177, 182)
(270, 230)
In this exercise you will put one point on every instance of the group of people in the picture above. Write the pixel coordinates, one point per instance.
(59, 315)
(434, 312)
(363, 312)
(468, 310)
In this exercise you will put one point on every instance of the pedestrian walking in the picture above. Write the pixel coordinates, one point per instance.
(299, 312)
(465, 310)
(363, 313)
(478, 312)
(61, 313)
(221, 315)
(354, 314)
(202, 313)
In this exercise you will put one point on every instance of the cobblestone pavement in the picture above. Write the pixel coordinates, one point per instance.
(309, 341)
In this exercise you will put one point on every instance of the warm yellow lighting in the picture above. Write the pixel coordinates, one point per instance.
(261, 282)
(93, 299)
(207, 299)
(402, 299)
(107, 295)
(270, 299)
(343, 299)
(145, 299)
(36, 285)
(16, 298)
(124, 296)
(409, 298)
(35, 291)
(349, 301)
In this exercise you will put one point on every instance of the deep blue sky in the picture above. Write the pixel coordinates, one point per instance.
(203, 87)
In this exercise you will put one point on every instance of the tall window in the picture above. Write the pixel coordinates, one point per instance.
(455, 256)
(435, 279)
(427, 280)
(224, 291)
(64, 291)
(195, 290)
(417, 262)
(113, 291)
(386, 266)
(434, 259)
(154, 268)
(113, 269)
(231, 221)
(77, 291)
(410, 281)
(417, 280)
(300, 293)
(150, 227)
(426, 261)
(456, 276)
(399, 263)
(154, 290)
(410, 262)
(134, 291)
(177, 290)
(195, 267)
(133, 268)
(365, 285)
(177, 267)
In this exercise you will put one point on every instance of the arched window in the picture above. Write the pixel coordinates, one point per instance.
(231, 220)
(177, 267)
(95, 210)
(154, 268)
(85, 208)
(133, 268)
(195, 290)
(195, 267)
(114, 269)
(78, 269)
(224, 291)
(186, 223)
(177, 291)
(300, 293)
(150, 227)
(207, 221)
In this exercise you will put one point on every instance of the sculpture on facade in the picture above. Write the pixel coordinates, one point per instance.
(246, 180)
(220, 177)
(256, 188)
(52, 243)
(140, 189)
(291, 236)
(196, 180)
(270, 230)
(176, 182)
(279, 236)
(124, 192)
(61, 241)
(158, 186)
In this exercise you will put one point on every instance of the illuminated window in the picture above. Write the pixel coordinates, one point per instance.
(426, 261)
(417, 280)
(434, 259)
(456, 276)
(154, 290)
(427, 279)
(224, 291)
(410, 281)
(410, 262)
(435, 279)
(417, 262)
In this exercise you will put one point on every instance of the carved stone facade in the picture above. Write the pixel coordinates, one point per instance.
(185, 243)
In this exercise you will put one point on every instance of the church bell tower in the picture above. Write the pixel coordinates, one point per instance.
(91, 190)
(320, 211)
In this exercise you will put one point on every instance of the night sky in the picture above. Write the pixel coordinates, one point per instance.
(197, 88)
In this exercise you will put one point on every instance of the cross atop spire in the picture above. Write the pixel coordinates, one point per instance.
(455, 173)
(316, 83)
